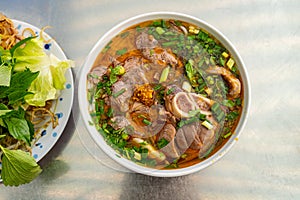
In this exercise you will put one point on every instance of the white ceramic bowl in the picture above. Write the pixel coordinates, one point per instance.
(84, 104)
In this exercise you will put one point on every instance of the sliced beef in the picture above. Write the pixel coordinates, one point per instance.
(145, 41)
(205, 138)
(185, 136)
(160, 56)
(133, 76)
(96, 74)
(121, 102)
(118, 122)
(170, 150)
(168, 133)
(150, 49)
(132, 62)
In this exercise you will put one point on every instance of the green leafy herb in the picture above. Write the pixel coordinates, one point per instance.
(17, 125)
(18, 89)
(18, 167)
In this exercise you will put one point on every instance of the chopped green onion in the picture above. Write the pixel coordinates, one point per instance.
(115, 95)
(157, 87)
(125, 136)
(163, 23)
(170, 91)
(227, 135)
(100, 106)
(147, 122)
(220, 116)
(156, 23)
(232, 115)
(110, 112)
(238, 101)
(192, 113)
(207, 124)
(202, 117)
(159, 30)
(124, 35)
(215, 107)
(229, 103)
(187, 121)
(162, 143)
(167, 44)
(121, 51)
(164, 75)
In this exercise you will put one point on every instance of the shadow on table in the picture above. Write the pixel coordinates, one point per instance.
(137, 186)
(62, 142)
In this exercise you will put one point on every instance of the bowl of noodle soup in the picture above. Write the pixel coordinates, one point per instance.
(164, 94)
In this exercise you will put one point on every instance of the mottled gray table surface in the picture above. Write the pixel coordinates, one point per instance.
(265, 162)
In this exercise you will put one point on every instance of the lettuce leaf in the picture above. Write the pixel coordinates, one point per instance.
(51, 78)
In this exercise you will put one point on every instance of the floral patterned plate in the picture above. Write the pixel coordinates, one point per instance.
(62, 106)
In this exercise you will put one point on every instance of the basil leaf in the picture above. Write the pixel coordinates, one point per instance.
(18, 167)
(18, 128)
(20, 81)
(17, 96)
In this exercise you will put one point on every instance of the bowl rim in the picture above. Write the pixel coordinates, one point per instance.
(98, 139)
